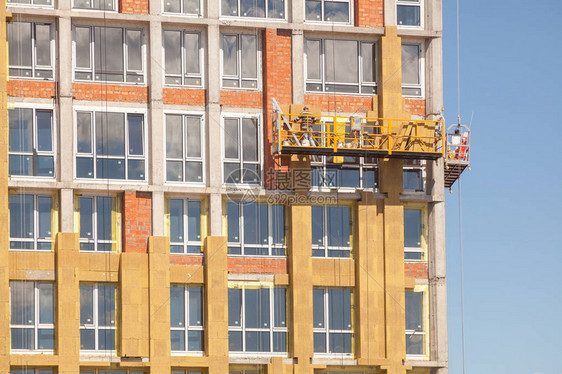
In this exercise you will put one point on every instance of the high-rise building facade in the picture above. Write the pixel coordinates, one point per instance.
(234, 186)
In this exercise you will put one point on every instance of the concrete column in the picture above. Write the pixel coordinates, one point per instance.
(296, 10)
(68, 302)
(298, 66)
(158, 212)
(66, 212)
(216, 298)
(390, 12)
(156, 146)
(159, 297)
(65, 111)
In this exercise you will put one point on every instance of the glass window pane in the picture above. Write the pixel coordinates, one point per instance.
(86, 304)
(106, 305)
(194, 172)
(193, 129)
(340, 66)
(106, 339)
(276, 9)
(22, 299)
(231, 138)
(229, 7)
(46, 302)
(313, 10)
(414, 344)
(174, 138)
(19, 44)
(408, 15)
(229, 55)
(279, 342)
(368, 61)
(335, 11)
(279, 308)
(134, 50)
(44, 213)
(318, 307)
(195, 306)
(177, 306)
(172, 51)
(278, 224)
(136, 143)
(21, 130)
(21, 216)
(338, 226)
(178, 340)
(340, 343)
(235, 341)
(103, 210)
(82, 40)
(195, 341)
(249, 56)
(194, 220)
(176, 221)
(412, 228)
(84, 132)
(313, 60)
(252, 8)
(86, 225)
(23, 338)
(44, 133)
(414, 311)
(233, 220)
(251, 223)
(110, 134)
(108, 50)
(191, 43)
(43, 44)
(257, 308)
(340, 309)
(317, 225)
(410, 64)
(250, 139)
(234, 307)
(257, 341)
(191, 6)
(45, 339)
(320, 342)
(87, 339)
(172, 6)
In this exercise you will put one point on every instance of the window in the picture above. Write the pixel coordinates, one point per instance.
(331, 231)
(186, 318)
(96, 223)
(30, 2)
(240, 60)
(345, 66)
(413, 234)
(32, 321)
(408, 13)
(187, 371)
(94, 4)
(30, 222)
(257, 319)
(32, 151)
(258, 370)
(185, 226)
(336, 11)
(97, 317)
(353, 172)
(256, 229)
(110, 54)
(28, 370)
(242, 150)
(187, 7)
(184, 148)
(110, 145)
(333, 318)
(272, 9)
(31, 47)
(413, 175)
(122, 371)
(182, 58)
(411, 70)
(415, 325)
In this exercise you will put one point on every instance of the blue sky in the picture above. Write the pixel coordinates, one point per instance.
(511, 61)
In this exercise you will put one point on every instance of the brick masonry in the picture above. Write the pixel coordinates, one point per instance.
(183, 96)
(253, 265)
(415, 106)
(418, 270)
(242, 98)
(369, 13)
(137, 221)
(186, 260)
(339, 103)
(32, 88)
(134, 6)
(110, 92)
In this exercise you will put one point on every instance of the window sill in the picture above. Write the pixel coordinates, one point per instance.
(201, 87)
(328, 23)
(339, 93)
(254, 19)
(257, 89)
(111, 82)
(188, 15)
(94, 10)
(32, 352)
(12, 78)
(187, 353)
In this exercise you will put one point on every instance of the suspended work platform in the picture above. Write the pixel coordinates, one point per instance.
(457, 156)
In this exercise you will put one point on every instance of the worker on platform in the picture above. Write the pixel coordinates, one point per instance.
(307, 120)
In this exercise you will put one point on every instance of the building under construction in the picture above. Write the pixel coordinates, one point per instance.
(234, 186)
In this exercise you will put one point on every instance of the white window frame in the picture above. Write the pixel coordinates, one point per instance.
(424, 331)
(182, 13)
(188, 327)
(270, 245)
(421, 249)
(34, 64)
(91, 8)
(271, 329)
(418, 166)
(185, 371)
(186, 243)
(32, 5)
(35, 153)
(412, 3)
(92, 69)
(323, 82)
(249, 18)
(185, 158)
(37, 325)
(240, 159)
(183, 75)
(421, 85)
(238, 75)
(322, 11)
(36, 239)
(95, 323)
(323, 168)
(126, 157)
(94, 239)
(110, 371)
(327, 330)
(325, 246)
(28, 370)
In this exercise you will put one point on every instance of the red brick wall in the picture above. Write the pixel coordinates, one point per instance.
(137, 221)
(339, 103)
(110, 92)
(183, 96)
(369, 13)
(29, 88)
(277, 75)
(416, 270)
(242, 98)
(415, 106)
(249, 265)
(134, 6)
(186, 260)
